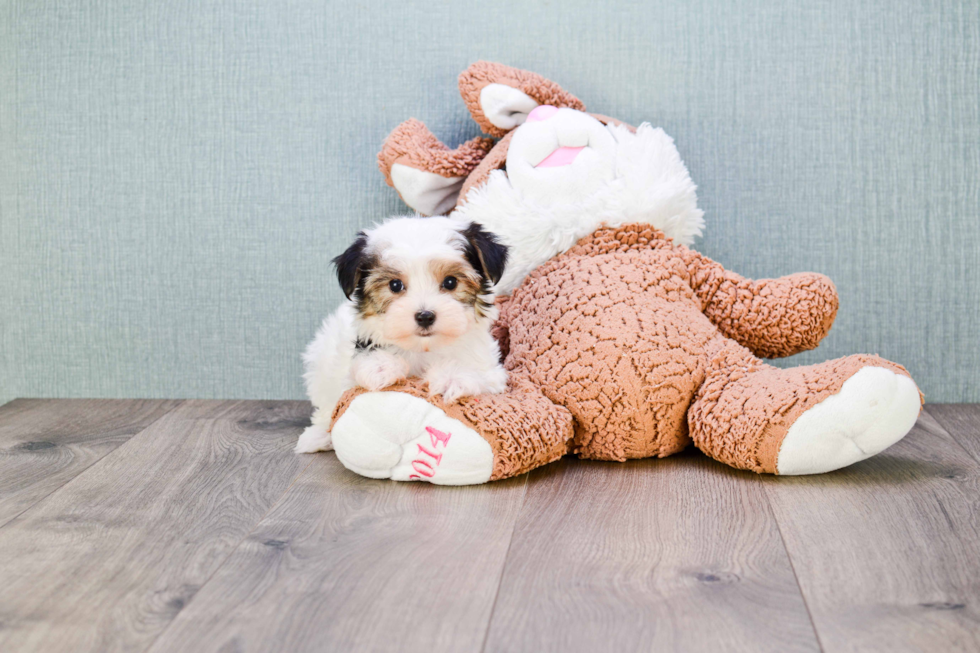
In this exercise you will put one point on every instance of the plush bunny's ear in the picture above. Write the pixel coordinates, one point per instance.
(504, 106)
(495, 160)
(427, 174)
(426, 192)
(500, 97)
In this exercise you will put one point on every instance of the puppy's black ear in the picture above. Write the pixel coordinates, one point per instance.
(351, 264)
(484, 252)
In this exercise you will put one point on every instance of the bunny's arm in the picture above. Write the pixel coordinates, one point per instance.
(771, 317)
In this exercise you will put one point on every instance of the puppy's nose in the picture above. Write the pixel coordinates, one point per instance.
(425, 319)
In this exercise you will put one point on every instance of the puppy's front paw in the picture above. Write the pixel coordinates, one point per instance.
(451, 388)
(453, 383)
(315, 438)
(378, 370)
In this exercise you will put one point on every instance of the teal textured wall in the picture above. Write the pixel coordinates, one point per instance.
(175, 176)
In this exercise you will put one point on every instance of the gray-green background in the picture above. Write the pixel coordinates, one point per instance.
(175, 176)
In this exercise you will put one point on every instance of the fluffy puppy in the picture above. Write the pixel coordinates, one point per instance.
(420, 303)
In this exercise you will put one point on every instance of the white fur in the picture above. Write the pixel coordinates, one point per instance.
(467, 365)
(327, 363)
(541, 212)
(416, 238)
(459, 358)
(377, 370)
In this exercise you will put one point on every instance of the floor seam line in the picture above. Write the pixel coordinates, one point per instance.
(503, 567)
(792, 567)
(925, 409)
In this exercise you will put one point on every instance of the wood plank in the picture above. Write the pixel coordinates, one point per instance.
(679, 554)
(346, 563)
(107, 561)
(44, 443)
(962, 422)
(886, 551)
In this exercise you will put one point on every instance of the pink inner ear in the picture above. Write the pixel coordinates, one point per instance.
(560, 157)
(542, 112)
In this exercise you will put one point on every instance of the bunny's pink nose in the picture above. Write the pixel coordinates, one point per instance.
(542, 112)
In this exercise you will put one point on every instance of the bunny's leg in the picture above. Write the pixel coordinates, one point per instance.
(804, 420)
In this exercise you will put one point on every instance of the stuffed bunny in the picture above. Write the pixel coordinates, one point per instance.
(620, 342)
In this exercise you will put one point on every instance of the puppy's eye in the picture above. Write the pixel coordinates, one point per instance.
(449, 283)
(396, 286)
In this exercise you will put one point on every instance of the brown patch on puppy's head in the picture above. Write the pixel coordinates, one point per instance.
(458, 279)
(376, 294)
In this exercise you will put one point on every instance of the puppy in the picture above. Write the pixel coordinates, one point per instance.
(420, 302)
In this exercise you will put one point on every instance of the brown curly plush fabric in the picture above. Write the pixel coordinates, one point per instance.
(628, 346)
(772, 317)
(544, 91)
(412, 144)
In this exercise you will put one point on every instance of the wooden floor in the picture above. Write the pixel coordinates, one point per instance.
(191, 526)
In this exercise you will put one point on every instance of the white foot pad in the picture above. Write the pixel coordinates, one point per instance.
(873, 410)
(395, 435)
(316, 437)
